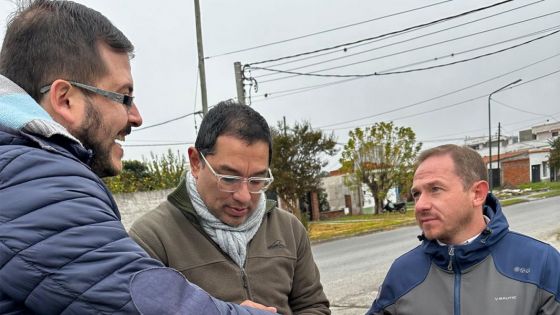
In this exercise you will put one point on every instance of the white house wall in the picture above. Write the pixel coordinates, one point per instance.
(538, 159)
(335, 189)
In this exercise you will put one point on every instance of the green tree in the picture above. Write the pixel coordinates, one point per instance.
(554, 156)
(299, 154)
(382, 157)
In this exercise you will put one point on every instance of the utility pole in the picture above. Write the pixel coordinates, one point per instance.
(239, 83)
(285, 130)
(201, 68)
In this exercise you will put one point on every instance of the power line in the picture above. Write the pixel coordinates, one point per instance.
(473, 99)
(443, 95)
(446, 106)
(521, 110)
(167, 121)
(476, 48)
(437, 139)
(443, 140)
(381, 73)
(284, 93)
(157, 144)
(305, 89)
(289, 92)
(325, 31)
(395, 43)
(379, 36)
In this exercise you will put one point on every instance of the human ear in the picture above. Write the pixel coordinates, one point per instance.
(65, 104)
(480, 191)
(194, 160)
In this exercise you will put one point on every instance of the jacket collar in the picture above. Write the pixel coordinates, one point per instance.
(180, 199)
(23, 121)
(20, 112)
(465, 256)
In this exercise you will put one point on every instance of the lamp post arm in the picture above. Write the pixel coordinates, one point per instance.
(490, 182)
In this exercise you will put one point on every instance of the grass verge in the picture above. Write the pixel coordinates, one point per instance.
(359, 224)
(512, 201)
(547, 194)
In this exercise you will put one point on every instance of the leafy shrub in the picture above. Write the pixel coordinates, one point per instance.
(161, 172)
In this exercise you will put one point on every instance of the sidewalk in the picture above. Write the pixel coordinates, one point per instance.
(554, 241)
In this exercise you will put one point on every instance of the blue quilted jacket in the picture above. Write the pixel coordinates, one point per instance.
(63, 249)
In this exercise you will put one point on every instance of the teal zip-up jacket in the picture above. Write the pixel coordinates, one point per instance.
(500, 272)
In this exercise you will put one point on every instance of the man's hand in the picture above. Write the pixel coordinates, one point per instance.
(258, 306)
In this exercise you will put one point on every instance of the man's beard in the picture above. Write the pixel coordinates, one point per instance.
(91, 135)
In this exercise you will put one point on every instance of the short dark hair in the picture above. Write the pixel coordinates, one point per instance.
(467, 162)
(232, 119)
(48, 40)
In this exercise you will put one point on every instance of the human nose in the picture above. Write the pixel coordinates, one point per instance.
(243, 195)
(422, 203)
(134, 116)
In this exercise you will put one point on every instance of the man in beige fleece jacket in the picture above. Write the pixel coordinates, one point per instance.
(218, 229)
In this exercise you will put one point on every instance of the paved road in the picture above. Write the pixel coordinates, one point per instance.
(352, 269)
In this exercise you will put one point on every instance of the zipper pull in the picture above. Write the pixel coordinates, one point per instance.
(451, 254)
(486, 234)
(244, 277)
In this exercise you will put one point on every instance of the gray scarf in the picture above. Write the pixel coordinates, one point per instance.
(232, 239)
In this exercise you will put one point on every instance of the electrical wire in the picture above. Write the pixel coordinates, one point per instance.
(472, 49)
(167, 121)
(521, 110)
(385, 72)
(325, 31)
(446, 106)
(283, 93)
(443, 95)
(157, 144)
(438, 139)
(380, 36)
(305, 89)
(392, 44)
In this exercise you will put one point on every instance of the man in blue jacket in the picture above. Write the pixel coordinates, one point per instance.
(65, 104)
(469, 262)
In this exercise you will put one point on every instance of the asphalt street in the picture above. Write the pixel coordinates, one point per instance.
(352, 269)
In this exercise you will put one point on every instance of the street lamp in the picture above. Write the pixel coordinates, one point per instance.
(490, 130)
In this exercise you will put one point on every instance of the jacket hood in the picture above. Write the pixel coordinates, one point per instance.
(180, 199)
(24, 122)
(20, 112)
(468, 255)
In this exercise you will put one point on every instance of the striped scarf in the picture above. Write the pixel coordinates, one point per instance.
(232, 239)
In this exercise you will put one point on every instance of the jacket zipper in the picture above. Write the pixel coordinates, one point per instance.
(457, 282)
(246, 285)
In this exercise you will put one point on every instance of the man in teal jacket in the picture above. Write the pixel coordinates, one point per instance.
(65, 100)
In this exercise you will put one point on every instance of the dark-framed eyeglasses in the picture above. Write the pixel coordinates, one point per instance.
(124, 99)
(232, 183)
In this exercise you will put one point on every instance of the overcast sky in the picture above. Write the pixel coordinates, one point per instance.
(165, 66)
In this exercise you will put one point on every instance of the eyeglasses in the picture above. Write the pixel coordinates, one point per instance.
(114, 96)
(232, 183)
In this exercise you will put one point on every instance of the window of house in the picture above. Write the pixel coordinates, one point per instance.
(555, 133)
(545, 169)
